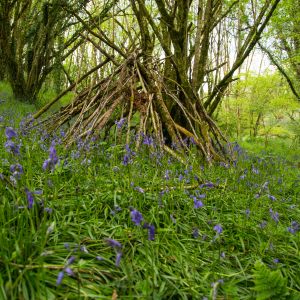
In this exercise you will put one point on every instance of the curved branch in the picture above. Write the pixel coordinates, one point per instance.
(281, 70)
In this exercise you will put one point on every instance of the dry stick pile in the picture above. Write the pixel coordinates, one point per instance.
(129, 89)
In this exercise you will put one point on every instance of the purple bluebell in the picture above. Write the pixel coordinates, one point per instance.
(195, 233)
(10, 133)
(199, 195)
(13, 180)
(99, 258)
(69, 271)
(167, 175)
(30, 198)
(113, 243)
(60, 277)
(52, 161)
(192, 140)
(197, 203)
(148, 140)
(294, 228)
(207, 184)
(275, 260)
(38, 192)
(12, 147)
(127, 159)
(17, 170)
(71, 260)
(116, 209)
(67, 246)
(136, 217)
(48, 210)
(139, 189)
(118, 258)
(151, 232)
(274, 215)
(218, 229)
(273, 198)
(120, 123)
(263, 224)
(222, 255)
(255, 170)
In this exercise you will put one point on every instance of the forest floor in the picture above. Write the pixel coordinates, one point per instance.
(103, 221)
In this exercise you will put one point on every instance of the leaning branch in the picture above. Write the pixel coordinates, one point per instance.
(48, 105)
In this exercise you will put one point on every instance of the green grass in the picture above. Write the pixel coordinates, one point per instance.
(91, 192)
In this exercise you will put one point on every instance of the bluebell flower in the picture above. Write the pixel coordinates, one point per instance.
(263, 224)
(151, 232)
(195, 233)
(218, 229)
(12, 147)
(48, 210)
(69, 271)
(60, 277)
(30, 198)
(148, 140)
(139, 189)
(274, 215)
(118, 258)
(192, 140)
(17, 170)
(52, 161)
(207, 184)
(136, 216)
(167, 175)
(273, 198)
(294, 228)
(71, 260)
(67, 246)
(120, 123)
(113, 243)
(10, 133)
(197, 203)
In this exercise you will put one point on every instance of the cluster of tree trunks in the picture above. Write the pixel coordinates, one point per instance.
(167, 58)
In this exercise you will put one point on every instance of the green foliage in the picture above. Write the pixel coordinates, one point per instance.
(261, 106)
(269, 284)
(88, 197)
(48, 94)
